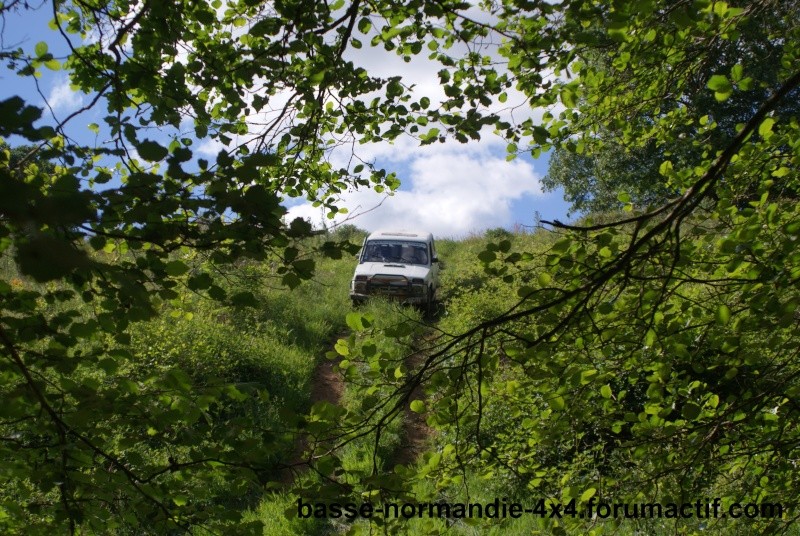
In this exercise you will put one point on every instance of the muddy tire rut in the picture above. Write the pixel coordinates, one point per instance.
(415, 429)
(328, 385)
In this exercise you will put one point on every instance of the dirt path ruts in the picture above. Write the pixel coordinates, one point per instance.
(415, 428)
(326, 385)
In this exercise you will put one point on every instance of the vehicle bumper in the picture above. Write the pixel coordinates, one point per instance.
(390, 286)
(402, 298)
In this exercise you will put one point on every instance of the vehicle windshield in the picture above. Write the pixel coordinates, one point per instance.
(396, 251)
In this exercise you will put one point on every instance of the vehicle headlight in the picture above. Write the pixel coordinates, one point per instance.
(360, 283)
(418, 285)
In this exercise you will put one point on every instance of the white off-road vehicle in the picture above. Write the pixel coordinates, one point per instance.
(397, 264)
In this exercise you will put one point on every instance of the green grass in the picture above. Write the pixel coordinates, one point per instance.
(357, 457)
(277, 346)
(272, 348)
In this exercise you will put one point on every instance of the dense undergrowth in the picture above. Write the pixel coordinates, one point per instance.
(571, 420)
(219, 377)
(661, 405)
(651, 393)
(361, 458)
(223, 383)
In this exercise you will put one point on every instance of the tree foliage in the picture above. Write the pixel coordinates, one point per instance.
(666, 339)
(594, 183)
(650, 355)
(593, 180)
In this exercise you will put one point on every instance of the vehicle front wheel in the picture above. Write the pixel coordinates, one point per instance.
(430, 304)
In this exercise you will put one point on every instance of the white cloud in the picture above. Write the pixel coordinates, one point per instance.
(63, 98)
(451, 190)
(210, 147)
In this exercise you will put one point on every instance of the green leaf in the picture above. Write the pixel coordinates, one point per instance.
(304, 267)
(151, 151)
(723, 314)
(40, 49)
(342, 347)
(556, 402)
(746, 84)
(650, 338)
(357, 321)
(765, 128)
(781, 172)
(690, 411)
(418, 406)
(431, 135)
(199, 281)
(721, 86)
(317, 78)
(291, 280)
(244, 299)
(176, 268)
(605, 391)
(217, 293)
(487, 256)
(719, 82)
(46, 258)
(605, 308)
(568, 98)
(108, 365)
(524, 291)
(401, 329)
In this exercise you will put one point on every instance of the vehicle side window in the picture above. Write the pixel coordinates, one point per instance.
(362, 254)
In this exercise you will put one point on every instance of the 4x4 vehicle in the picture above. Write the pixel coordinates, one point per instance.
(398, 264)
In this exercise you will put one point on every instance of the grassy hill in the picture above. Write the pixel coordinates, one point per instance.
(557, 425)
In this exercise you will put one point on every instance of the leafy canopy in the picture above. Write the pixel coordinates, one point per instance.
(659, 306)
(648, 354)
(739, 69)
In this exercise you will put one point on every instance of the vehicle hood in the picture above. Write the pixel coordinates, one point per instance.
(409, 270)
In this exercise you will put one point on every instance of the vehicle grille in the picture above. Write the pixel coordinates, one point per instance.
(389, 285)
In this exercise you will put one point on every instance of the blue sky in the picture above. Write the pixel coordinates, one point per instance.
(451, 189)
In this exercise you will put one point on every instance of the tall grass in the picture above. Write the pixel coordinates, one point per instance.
(278, 510)
(273, 347)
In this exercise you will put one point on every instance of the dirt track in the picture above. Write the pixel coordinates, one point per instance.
(328, 385)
